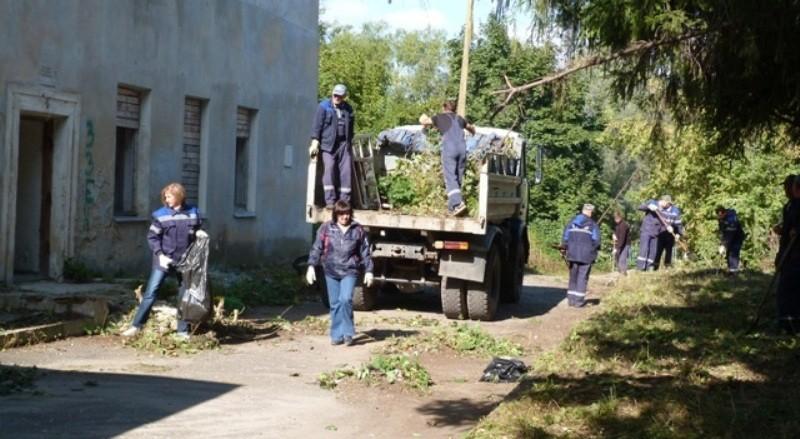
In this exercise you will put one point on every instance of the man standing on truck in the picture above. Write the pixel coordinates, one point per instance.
(332, 134)
(454, 152)
(582, 241)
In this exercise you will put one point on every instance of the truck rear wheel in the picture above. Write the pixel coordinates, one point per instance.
(513, 272)
(454, 300)
(364, 299)
(482, 298)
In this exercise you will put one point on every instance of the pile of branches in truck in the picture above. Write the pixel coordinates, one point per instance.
(412, 181)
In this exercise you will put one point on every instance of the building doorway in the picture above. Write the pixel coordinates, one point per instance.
(38, 182)
(34, 197)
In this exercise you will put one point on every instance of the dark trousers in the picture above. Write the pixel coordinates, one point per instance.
(578, 281)
(648, 244)
(788, 299)
(338, 168)
(621, 261)
(454, 163)
(665, 243)
(143, 312)
(732, 255)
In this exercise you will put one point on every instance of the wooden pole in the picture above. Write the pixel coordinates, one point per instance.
(462, 88)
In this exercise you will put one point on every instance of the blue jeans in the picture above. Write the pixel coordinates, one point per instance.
(340, 295)
(143, 313)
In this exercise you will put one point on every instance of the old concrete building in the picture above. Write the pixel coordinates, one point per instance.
(102, 103)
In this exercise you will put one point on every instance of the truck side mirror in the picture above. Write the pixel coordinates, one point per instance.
(537, 178)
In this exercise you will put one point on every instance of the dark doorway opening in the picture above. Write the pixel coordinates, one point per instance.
(34, 197)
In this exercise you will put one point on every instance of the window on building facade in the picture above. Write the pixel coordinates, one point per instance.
(129, 102)
(192, 133)
(244, 180)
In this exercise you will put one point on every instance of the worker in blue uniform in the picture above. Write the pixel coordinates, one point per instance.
(581, 239)
(731, 237)
(454, 152)
(332, 137)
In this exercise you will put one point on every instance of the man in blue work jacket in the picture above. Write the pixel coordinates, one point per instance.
(454, 152)
(731, 237)
(582, 241)
(332, 136)
(648, 235)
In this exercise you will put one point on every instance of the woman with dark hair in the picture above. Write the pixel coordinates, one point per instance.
(343, 250)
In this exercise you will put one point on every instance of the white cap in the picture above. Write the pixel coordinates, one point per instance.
(340, 90)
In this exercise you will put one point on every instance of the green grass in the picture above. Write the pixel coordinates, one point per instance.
(666, 357)
(464, 339)
(267, 285)
(390, 369)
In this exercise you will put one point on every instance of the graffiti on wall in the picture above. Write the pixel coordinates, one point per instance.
(90, 190)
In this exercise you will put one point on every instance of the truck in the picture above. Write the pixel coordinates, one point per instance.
(474, 263)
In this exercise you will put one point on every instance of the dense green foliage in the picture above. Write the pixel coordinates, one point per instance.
(728, 65)
(391, 77)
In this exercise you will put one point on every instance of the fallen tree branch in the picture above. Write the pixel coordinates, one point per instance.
(639, 46)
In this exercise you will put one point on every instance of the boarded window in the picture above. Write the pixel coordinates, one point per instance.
(242, 176)
(128, 115)
(190, 173)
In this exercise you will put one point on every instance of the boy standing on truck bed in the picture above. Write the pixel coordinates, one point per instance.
(454, 152)
(332, 132)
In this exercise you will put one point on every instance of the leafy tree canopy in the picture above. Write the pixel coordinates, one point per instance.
(730, 65)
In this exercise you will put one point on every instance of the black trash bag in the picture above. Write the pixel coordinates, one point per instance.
(194, 304)
(504, 370)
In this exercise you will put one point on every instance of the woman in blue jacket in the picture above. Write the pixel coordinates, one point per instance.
(173, 228)
(343, 250)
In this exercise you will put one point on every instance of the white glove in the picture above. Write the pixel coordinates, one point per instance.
(721, 249)
(313, 149)
(670, 230)
(368, 279)
(425, 120)
(613, 252)
(652, 207)
(201, 234)
(164, 261)
(311, 275)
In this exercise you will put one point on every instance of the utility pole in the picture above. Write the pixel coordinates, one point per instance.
(462, 88)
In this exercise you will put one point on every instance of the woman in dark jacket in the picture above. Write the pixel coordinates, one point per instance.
(343, 250)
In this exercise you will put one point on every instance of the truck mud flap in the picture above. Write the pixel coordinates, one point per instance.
(466, 266)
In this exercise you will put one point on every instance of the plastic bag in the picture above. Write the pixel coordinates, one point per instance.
(504, 370)
(194, 304)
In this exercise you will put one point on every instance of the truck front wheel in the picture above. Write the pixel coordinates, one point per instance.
(364, 299)
(454, 300)
(482, 298)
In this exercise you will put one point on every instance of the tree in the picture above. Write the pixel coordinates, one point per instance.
(730, 65)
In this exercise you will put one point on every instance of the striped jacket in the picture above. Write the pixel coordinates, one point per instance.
(582, 239)
(172, 231)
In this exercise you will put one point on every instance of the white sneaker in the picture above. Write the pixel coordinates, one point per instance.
(182, 335)
(130, 332)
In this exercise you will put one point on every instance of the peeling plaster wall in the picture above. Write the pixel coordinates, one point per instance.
(260, 54)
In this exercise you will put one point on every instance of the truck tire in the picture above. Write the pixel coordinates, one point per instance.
(364, 299)
(513, 272)
(454, 298)
(482, 298)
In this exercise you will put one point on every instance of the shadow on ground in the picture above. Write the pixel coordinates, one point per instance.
(457, 412)
(98, 405)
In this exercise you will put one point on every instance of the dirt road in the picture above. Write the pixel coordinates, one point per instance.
(97, 387)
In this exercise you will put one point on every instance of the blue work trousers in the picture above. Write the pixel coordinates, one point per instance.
(578, 282)
(733, 250)
(648, 245)
(454, 163)
(665, 243)
(338, 168)
(340, 296)
(143, 312)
